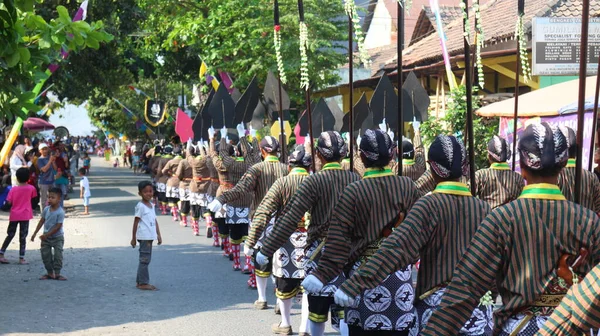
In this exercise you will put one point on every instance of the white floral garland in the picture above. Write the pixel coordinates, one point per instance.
(466, 25)
(304, 81)
(277, 42)
(406, 4)
(363, 55)
(479, 46)
(522, 46)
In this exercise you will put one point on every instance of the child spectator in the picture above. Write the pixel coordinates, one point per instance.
(53, 238)
(84, 186)
(135, 162)
(86, 163)
(21, 212)
(145, 231)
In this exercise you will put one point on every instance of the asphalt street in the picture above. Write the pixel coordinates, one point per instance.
(199, 293)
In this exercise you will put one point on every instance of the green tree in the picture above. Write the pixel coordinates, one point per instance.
(237, 37)
(455, 121)
(29, 43)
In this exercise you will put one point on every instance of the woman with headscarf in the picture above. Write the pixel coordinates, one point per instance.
(256, 181)
(287, 261)
(438, 229)
(172, 192)
(366, 214)
(590, 186)
(318, 194)
(532, 249)
(17, 160)
(498, 184)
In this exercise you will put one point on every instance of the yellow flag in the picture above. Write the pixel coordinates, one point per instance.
(203, 69)
(215, 83)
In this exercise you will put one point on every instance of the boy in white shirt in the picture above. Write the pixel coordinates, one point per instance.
(145, 231)
(84, 187)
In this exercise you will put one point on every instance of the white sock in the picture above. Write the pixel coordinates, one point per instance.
(261, 287)
(316, 329)
(286, 309)
(344, 328)
(304, 316)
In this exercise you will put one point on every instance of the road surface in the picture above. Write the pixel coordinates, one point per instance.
(199, 293)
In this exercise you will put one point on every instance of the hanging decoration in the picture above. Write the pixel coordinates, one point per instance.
(522, 42)
(277, 42)
(304, 81)
(406, 5)
(466, 25)
(480, 38)
(351, 11)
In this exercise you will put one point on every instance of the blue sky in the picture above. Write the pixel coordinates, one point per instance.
(74, 118)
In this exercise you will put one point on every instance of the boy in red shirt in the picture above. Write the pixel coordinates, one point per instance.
(20, 213)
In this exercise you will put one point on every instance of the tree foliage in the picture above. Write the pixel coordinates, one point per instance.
(455, 121)
(29, 43)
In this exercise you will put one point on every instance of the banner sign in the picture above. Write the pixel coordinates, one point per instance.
(569, 120)
(154, 112)
(555, 46)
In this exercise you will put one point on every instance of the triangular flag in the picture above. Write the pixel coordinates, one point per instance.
(203, 69)
(215, 83)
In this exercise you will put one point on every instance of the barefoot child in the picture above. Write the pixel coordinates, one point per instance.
(21, 212)
(53, 238)
(84, 187)
(145, 231)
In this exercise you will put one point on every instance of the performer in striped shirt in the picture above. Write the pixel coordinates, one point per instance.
(590, 186)
(212, 229)
(184, 173)
(237, 216)
(438, 229)
(161, 178)
(288, 260)
(531, 248)
(579, 312)
(172, 192)
(318, 195)
(498, 184)
(413, 158)
(365, 215)
(427, 183)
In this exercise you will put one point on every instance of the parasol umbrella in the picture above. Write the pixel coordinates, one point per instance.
(37, 124)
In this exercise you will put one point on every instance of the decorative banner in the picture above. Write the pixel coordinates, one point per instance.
(140, 92)
(569, 120)
(154, 112)
(138, 123)
(183, 126)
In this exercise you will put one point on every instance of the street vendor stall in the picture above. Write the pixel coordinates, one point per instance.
(556, 105)
(33, 125)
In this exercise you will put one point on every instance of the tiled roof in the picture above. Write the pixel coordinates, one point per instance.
(426, 25)
(498, 18)
(382, 56)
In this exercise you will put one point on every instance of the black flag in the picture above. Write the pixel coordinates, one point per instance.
(155, 112)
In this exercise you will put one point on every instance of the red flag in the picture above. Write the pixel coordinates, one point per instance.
(183, 126)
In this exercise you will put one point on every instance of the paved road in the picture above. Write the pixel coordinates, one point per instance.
(199, 293)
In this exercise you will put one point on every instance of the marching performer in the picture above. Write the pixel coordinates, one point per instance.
(590, 186)
(533, 248)
(185, 174)
(153, 167)
(413, 158)
(212, 228)
(288, 260)
(365, 215)
(579, 311)
(427, 183)
(498, 184)
(437, 229)
(172, 193)
(318, 195)
(235, 227)
(257, 181)
(162, 178)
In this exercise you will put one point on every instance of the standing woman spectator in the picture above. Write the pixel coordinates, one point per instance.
(17, 160)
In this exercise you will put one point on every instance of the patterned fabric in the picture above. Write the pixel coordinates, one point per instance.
(438, 230)
(199, 199)
(526, 327)
(376, 146)
(590, 188)
(498, 186)
(542, 146)
(517, 247)
(389, 306)
(367, 211)
(184, 194)
(160, 176)
(237, 215)
(161, 187)
(416, 166)
(185, 174)
(447, 157)
(579, 311)
(199, 167)
(300, 158)
(318, 195)
(172, 192)
(425, 184)
(230, 172)
(480, 323)
(332, 146)
(269, 144)
(498, 149)
(288, 261)
(313, 255)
